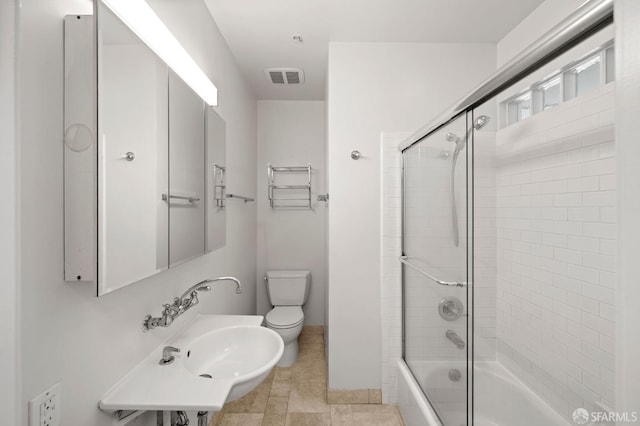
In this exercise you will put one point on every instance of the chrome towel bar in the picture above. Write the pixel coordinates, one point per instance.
(240, 197)
(167, 197)
(404, 259)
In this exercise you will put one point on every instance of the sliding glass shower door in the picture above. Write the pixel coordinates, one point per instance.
(436, 268)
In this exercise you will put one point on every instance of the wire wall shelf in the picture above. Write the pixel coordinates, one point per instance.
(287, 187)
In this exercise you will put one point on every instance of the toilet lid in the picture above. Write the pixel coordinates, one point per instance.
(285, 316)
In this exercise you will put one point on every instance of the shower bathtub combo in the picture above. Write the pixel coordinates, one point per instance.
(502, 324)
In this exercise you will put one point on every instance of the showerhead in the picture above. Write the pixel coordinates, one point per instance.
(480, 122)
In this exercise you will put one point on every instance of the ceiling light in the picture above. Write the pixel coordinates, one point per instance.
(143, 21)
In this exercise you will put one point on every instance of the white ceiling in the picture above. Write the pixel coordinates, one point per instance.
(259, 32)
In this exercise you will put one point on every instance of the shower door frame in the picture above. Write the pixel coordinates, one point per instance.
(468, 302)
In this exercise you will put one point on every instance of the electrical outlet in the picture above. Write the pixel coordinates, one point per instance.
(44, 409)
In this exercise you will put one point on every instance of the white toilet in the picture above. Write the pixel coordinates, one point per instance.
(288, 291)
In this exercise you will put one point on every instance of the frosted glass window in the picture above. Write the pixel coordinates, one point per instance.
(519, 108)
(587, 75)
(551, 93)
(524, 106)
(610, 69)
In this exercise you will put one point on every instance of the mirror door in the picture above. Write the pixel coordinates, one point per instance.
(186, 197)
(132, 157)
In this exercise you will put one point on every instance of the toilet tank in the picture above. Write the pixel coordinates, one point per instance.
(288, 288)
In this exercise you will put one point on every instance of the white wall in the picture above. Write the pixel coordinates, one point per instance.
(9, 219)
(68, 335)
(375, 87)
(542, 19)
(292, 133)
(627, 17)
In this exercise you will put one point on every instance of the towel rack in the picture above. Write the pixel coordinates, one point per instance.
(240, 197)
(219, 184)
(290, 195)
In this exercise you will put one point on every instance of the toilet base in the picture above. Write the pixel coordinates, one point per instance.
(290, 354)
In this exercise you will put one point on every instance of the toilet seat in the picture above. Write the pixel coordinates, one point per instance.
(285, 317)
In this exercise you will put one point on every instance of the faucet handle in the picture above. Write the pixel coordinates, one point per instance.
(167, 358)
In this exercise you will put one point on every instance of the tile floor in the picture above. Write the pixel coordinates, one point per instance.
(297, 396)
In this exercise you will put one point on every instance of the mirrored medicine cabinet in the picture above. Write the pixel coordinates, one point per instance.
(144, 159)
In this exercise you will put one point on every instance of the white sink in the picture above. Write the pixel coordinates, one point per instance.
(244, 354)
(233, 349)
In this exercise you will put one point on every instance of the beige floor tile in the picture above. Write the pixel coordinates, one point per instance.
(354, 396)
(375, 396)
(280, 388)
(310, 397)
(305, 340)
(341, 415)
(274, 420)
(216, 418)
(310, 370)
(277, 405)
(253, 402)
(282, 373)
(241, 419)
(376, 415)
(311, 352)
(313, 329)
(308, 419)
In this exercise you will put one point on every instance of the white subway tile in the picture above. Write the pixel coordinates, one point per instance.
(567, 200)
(607, 311)
(567, 228)
(608, 215)
(582, 273)
(583, 303)
(599, 230)
(598, 292)
(569, 256)
(608, 279)
(554, 240)
(603, 358)
(599, 198)
(584, 244)
(568, 171)
(584, 214)
(599, 324)
(608, 247)
(583, 184)
(599, 261)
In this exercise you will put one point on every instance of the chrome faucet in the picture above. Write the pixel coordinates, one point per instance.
(457, 340)
(182, 304)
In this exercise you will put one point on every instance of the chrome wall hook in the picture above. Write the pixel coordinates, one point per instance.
(355, 155)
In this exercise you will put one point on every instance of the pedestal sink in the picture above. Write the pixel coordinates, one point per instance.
(221, 358)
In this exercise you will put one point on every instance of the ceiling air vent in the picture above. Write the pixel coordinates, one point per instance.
(285, 75)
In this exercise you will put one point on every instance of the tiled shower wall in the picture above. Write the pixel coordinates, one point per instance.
(556, 214)
(391, 288)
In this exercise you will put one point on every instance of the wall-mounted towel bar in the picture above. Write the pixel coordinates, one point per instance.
(240, 197)
(167, 197)
(405, 260)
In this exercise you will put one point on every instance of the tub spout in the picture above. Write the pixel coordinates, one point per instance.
(457, 340)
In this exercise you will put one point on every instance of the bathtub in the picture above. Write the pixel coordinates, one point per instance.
(500, 398)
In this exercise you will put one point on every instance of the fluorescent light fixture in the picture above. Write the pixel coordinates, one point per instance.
(143, 21)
